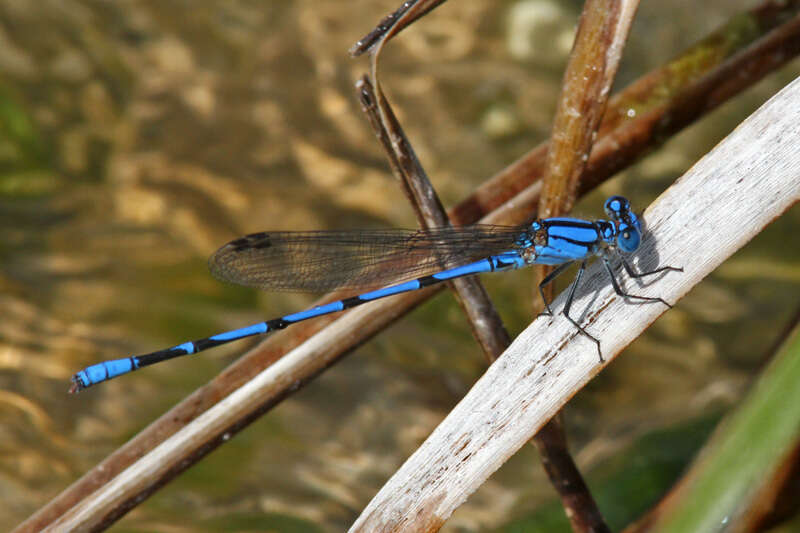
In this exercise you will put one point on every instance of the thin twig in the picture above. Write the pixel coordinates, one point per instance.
(410, 11)
(591, 69)
(485, 322)
(592, 65)
(483, 318)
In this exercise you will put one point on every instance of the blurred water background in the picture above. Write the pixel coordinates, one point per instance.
(137, 137)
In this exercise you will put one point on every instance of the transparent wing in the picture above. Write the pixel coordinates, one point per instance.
(318, 261)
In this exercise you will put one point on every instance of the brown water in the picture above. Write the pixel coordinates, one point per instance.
(137, 137)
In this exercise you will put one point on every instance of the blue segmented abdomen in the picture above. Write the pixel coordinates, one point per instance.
(106, 370)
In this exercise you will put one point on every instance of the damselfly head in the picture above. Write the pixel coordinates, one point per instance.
(629, 229)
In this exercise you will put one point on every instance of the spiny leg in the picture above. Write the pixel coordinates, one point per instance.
(568, 305)
(632, 273)
(619, 290)
(546, 281)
